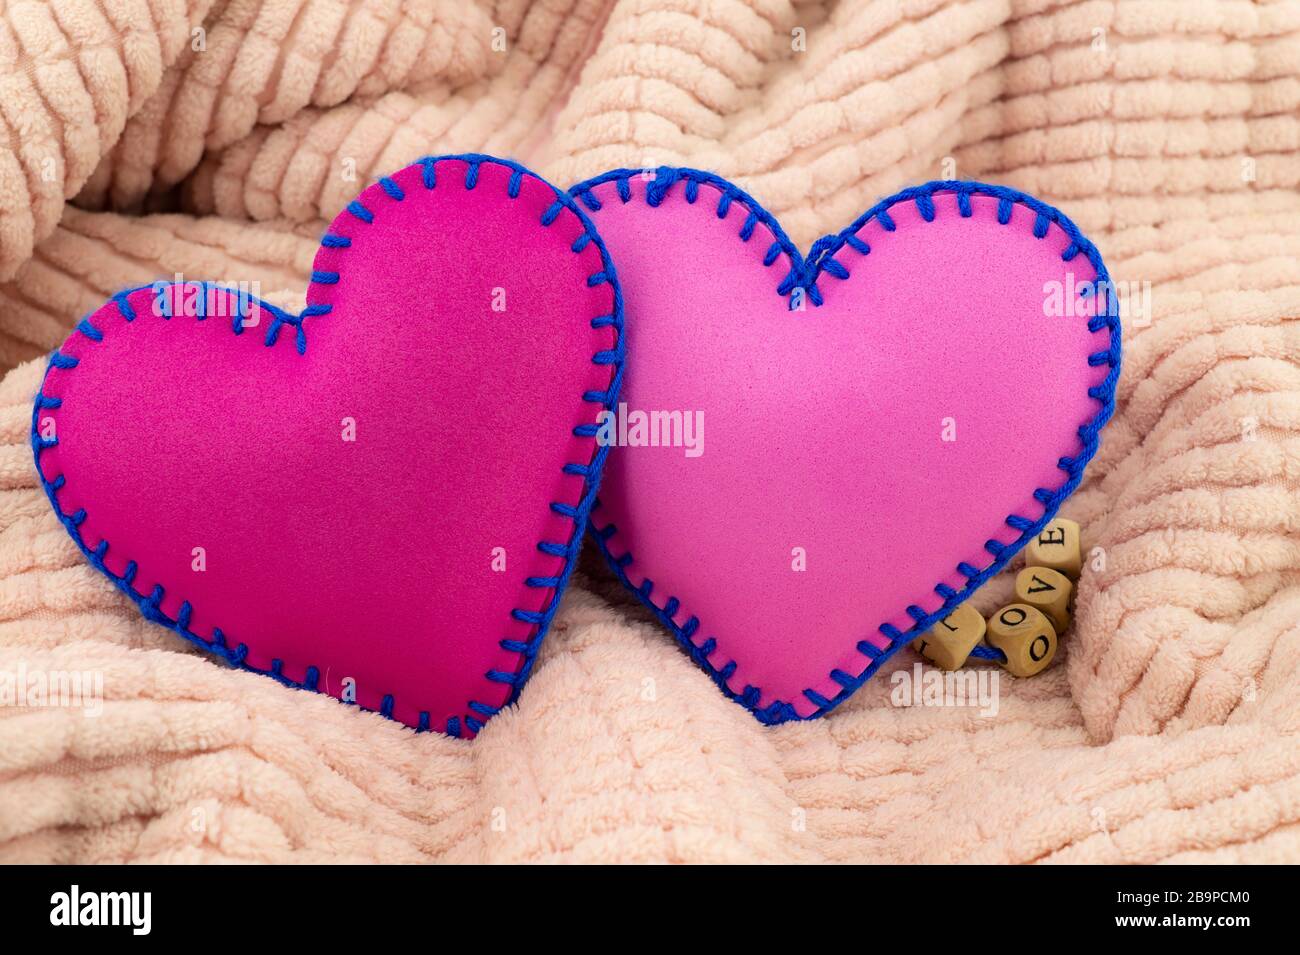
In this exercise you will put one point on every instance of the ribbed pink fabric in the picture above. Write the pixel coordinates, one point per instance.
(1168, 131)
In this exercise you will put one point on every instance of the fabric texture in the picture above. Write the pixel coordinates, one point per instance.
(1168, 131)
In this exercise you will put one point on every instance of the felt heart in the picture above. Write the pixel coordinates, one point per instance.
(823, 457)
(380, 498)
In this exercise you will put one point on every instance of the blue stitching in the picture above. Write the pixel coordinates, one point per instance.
(551, 214)
(90, 331)
(124, 306)
(667, 176)
(241, 301)
(804, 274)
(988, 653)
(578, 513)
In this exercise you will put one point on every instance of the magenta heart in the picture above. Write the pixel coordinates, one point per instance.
(832, 454)
(380, 499)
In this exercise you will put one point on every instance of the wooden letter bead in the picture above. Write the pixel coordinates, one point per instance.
(949, 642)
(1056, 546)
(1046, 590)
(1025, 636)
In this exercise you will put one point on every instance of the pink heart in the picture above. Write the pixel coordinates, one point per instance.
(388, 490)
(825, 428)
